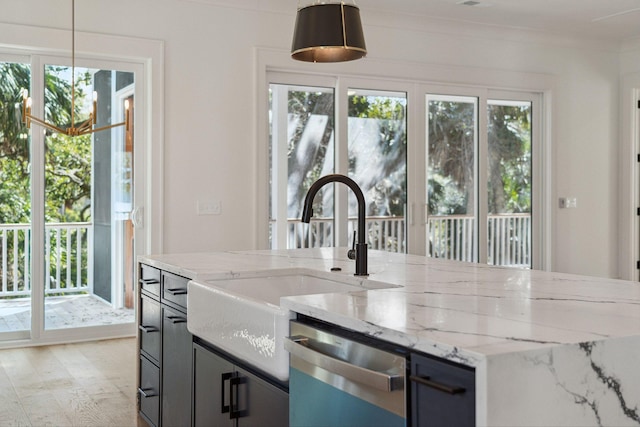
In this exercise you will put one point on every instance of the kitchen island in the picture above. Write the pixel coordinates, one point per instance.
(547, 348)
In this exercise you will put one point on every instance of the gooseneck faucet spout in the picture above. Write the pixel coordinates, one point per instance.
(307, 213)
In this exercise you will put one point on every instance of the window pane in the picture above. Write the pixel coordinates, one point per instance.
(301, 151)
(451, 169)
(88, 235)
(377, 135)
(15, 203)
(509, 183)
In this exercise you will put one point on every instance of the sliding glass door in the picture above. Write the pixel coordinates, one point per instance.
(67, 202)
(476, 177)
(368, 144)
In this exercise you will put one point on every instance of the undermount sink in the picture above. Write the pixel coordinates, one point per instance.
(243, 316)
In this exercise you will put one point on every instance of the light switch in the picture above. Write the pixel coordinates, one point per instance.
(567, 202)
(209, 207)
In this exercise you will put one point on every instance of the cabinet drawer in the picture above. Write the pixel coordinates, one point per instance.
(442, 393)
(150, 279)
(149, 391)
(174, 289)
(150, 324)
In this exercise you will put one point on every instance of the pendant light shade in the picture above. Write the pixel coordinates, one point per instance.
(328, 32)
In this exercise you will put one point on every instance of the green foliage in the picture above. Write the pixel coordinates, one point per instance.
(452, 128)
(387, 196)
(67, 160)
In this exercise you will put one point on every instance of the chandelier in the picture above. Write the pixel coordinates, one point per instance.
(85, 127)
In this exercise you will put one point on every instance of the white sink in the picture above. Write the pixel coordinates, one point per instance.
(243, 316)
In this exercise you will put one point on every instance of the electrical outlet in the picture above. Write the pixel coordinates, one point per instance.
(209, 207)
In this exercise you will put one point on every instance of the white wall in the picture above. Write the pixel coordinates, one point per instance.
(210, 150)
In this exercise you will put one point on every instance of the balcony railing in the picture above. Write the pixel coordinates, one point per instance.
(450, 237)
(67, 258)
(508, 238)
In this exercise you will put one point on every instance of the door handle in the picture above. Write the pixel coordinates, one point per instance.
(226, 376)
(234, 386)
(137, 217)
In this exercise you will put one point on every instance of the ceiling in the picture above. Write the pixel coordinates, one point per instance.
(611, 20)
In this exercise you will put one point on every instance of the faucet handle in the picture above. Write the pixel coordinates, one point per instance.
(351, 254)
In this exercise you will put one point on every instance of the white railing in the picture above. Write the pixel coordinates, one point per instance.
(450, 236)
(67, 258)
(384, 233)
(509, 240)
(508, 237)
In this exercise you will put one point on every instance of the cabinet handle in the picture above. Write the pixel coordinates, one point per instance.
(427, 381)
(147, 329)
(225, 408)
(299, 346)
(176, 319)
(149, 281)
(147, 392)
(234, 384)
(177, 291)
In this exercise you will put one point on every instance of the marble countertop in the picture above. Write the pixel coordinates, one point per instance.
(547, 348)
(461, 311)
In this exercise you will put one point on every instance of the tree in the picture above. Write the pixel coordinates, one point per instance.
(67, 164)
(509, 184)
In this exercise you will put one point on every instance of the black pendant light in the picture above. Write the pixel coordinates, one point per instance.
(328, 32)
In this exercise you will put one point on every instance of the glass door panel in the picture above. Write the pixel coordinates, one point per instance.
(452, 141)
(15, 205)
(301, 150)
(377, 147)
(83, 285)
(509, 183)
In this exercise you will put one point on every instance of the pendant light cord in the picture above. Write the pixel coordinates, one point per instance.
(73, 61)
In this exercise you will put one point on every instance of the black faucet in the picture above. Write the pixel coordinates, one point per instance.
(360, 253)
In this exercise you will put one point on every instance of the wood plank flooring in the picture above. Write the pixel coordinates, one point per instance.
(84, 384)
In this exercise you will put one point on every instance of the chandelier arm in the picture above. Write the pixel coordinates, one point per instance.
(107, 127)
(46, 124)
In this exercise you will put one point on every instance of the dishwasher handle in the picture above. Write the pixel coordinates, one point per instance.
(298, 346)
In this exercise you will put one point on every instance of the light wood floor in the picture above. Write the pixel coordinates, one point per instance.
(85, 384)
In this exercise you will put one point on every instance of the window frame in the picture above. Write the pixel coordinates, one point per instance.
(414, 79)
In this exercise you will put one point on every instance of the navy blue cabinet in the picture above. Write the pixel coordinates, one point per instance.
(442, 393)
(165, 374)
(225, 394)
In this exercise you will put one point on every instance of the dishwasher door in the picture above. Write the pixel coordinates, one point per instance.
(336, 381)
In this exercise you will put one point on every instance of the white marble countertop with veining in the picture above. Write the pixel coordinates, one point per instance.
(568, 342)
(443, 306)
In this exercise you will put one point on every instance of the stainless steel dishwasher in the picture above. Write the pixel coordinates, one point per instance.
(339, 381)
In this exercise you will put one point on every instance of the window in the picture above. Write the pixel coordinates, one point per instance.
(465, 188)
(454, 196)
(303, 147)
(51, 245)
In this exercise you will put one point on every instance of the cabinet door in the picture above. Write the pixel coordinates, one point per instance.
(442, 394)
(258, 403)
(211, 400)
(150, 332)
(176, 369)
(149, 391)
